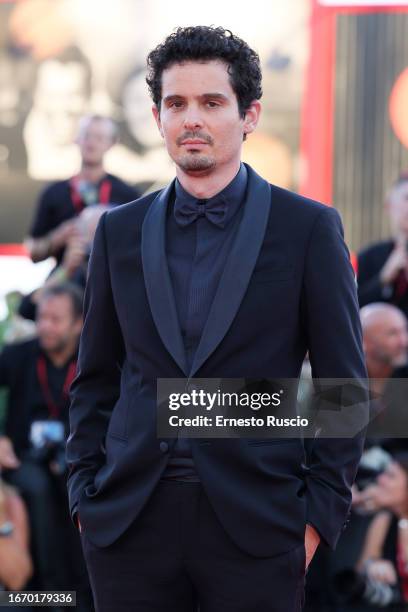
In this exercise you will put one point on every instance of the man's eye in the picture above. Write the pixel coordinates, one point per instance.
(212, 104)
(177, 104)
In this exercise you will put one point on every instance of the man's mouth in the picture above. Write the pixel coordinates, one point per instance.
(193, 141)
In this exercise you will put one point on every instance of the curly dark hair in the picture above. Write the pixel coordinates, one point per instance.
(205, 43)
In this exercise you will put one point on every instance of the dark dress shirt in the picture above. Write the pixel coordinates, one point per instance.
(196, 256)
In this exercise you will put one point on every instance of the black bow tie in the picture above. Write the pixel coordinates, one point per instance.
(187, 211)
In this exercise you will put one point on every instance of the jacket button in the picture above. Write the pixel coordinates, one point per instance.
(164, 447)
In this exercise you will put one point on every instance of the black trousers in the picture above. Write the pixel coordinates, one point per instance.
(176, 557)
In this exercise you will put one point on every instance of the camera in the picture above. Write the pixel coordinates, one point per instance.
(373, 462)
(48, 444)
(353, 587)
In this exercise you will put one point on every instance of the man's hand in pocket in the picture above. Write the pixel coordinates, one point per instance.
(312, 541)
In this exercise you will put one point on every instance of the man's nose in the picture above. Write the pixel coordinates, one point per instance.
(193, 118)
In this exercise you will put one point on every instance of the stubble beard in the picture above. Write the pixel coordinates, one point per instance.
(194, 163)
(57, 346)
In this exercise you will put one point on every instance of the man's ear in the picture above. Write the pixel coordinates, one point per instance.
(252, 115)
(156, 115)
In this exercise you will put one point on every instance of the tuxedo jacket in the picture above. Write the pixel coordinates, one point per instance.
(287, 288)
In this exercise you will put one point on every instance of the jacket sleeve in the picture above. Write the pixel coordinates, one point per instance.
(96, 386)
(334, 339)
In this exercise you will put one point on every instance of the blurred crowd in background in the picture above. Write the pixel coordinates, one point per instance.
(39, 546)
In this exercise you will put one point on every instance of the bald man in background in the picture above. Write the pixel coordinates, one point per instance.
(385, 343)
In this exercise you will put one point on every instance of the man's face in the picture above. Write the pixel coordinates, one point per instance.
(386, 340)
(94, 140)
(56, 325)
(398, 209)
(199, 117)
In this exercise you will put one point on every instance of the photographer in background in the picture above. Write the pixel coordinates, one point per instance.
(61, 202)
(74, 264)
(382, 569)
(383, 266)
(38, 374)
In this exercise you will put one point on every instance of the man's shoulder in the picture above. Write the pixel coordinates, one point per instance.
(55, 190)
(21, 349)
(122, 187)
(298, 209)
(116, 180)
(382, 248)
(295, 199)
(289, 202)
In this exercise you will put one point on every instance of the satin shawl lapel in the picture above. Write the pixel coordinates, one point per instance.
(239, 267)
(157, 278)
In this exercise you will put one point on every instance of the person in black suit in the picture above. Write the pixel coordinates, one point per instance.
(383, 266)
(218, 275)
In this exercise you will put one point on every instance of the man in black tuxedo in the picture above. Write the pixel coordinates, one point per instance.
(218, 275)
(383, 266)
